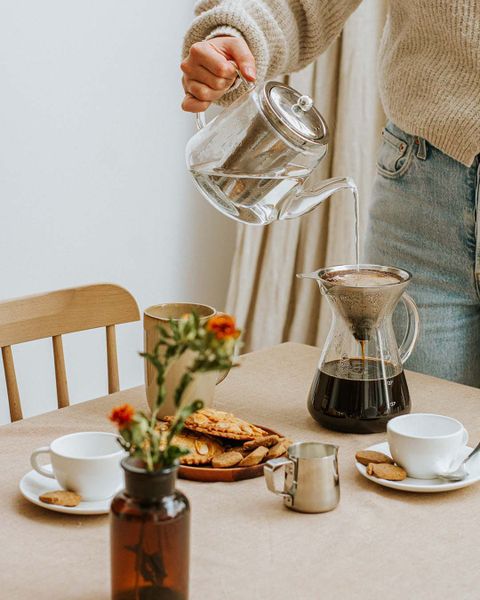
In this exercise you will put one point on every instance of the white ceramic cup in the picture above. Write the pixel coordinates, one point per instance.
(87, 463)
(425, 444)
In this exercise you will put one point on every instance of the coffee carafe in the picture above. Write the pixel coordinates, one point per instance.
(253, 161)
(360, 383)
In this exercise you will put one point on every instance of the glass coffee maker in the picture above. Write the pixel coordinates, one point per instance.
(360, 383)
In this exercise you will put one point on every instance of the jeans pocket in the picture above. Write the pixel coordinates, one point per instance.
(395, 155)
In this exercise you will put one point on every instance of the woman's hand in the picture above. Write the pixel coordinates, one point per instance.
(208, 72)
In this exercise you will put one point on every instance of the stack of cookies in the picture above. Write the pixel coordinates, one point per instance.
(380, 465)
(221, 440)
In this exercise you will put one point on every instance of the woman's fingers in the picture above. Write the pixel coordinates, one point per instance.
(211, 68)
(201, 91)
(207, 55)
(203, 75)
(191, 104)
(237, 50)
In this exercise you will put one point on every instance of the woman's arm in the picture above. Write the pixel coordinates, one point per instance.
(283, 35)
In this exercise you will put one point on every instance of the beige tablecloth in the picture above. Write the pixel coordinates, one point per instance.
(378, 543)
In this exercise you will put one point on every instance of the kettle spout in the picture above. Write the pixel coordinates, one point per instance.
(312, 275)
(306, 199)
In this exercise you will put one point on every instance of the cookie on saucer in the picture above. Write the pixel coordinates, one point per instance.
(365, 457)
(61, 498)
(387, 471)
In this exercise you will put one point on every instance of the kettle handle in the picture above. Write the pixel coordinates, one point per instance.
(411, 334)
(200, 119)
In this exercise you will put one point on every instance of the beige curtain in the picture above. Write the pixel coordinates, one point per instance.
(270, 303)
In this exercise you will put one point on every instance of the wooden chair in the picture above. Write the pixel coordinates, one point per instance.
(55, 313)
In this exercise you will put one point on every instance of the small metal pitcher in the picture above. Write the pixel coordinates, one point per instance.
(311, 483)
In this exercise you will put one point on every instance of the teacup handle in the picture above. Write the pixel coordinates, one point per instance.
(38, 468)
(269, 470)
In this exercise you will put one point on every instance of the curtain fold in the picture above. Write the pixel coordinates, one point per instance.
(270, 303)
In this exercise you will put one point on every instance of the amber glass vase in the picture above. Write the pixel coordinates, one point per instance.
(150, 535)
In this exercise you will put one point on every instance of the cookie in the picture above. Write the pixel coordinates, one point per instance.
(365, 457)
(240, 449)
(61, 498)
(201, 448)
(255, 457)
(279, 449)
(227, 459)
(386, 471)
(221, 424)
(267, 440)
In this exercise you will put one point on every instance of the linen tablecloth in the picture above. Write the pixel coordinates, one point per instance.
(378, 543)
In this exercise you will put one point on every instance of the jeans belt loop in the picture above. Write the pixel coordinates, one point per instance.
(421, 148)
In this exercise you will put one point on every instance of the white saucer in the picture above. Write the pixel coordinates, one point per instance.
(424, 485)
(32, 485)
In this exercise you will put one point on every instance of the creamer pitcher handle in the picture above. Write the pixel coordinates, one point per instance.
(269, 470)
(200, 119)
(411, 334)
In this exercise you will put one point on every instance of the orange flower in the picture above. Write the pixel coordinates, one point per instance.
(122, 415)
(223, 326)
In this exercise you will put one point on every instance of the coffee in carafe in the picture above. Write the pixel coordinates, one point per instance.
(360, 383)
(361, 399)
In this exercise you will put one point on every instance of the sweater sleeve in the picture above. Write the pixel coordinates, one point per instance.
(283, 35)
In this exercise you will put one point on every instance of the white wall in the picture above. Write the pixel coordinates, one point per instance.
(93, 185)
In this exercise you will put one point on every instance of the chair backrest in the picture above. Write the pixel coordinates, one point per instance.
(55, 313)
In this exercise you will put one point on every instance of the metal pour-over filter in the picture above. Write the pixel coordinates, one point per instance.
(364, 307)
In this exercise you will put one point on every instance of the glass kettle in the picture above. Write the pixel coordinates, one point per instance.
(253, 161)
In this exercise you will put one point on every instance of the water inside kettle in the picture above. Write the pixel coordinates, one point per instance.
(253, 199)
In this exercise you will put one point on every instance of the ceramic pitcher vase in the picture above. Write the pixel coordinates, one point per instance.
(203, 385)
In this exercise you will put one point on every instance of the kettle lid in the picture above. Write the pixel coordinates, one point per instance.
(294, 115)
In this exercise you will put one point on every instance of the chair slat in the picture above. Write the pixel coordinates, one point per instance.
(12, 387)
(60, 372)
(65, 311)
(112, 360)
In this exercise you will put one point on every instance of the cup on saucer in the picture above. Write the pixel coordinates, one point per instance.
(87, 463)
(426, 444)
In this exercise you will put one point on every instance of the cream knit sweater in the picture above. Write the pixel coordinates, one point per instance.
(429, 56)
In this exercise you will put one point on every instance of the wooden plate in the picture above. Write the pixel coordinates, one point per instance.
(229, 474)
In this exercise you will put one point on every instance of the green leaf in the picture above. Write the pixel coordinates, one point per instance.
(210, 354)
(163, 332)
(180, 418)
(182, 386)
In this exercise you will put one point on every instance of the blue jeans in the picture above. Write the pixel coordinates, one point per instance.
(423, 219)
